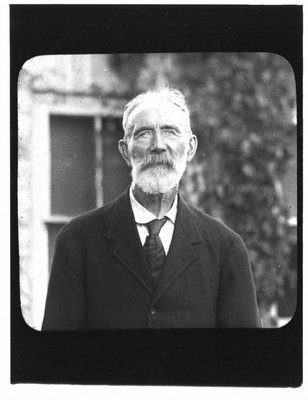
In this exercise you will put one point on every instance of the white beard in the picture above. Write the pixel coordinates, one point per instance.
(159, 178)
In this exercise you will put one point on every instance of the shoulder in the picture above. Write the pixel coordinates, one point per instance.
(92, 222)
(212, 228)
(216, 235)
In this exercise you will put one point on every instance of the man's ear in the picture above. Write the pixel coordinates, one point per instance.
(122, 146)
(193, 144)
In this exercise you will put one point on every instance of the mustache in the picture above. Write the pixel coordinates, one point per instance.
(156, 159)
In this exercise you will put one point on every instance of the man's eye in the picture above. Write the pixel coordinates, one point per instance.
(169, 132)
(144, 133)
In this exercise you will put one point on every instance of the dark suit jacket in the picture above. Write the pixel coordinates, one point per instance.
(100, 279)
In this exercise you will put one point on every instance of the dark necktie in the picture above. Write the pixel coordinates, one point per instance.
(154, 250)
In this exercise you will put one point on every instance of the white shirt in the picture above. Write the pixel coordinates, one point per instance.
(143, 216)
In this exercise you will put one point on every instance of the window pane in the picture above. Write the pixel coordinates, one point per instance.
(72, 164)
(116, 174)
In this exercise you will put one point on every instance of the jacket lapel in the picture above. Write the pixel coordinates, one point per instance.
(182, 252)
(128, 249)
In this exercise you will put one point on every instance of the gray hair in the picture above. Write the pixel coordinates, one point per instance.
(174, 96)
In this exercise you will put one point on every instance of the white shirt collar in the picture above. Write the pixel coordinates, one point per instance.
(143, 216)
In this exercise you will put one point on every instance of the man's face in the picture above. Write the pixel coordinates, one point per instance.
(159, 146)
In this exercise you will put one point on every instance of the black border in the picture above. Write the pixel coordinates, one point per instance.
(237, 357)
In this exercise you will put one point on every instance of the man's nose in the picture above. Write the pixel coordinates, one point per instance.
(158, 141)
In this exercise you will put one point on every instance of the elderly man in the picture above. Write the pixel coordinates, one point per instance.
(148, 259)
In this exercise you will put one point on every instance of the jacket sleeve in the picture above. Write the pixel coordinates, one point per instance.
(237, 302)
(65, 303)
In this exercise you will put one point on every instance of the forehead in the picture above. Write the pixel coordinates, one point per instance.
(157, 114)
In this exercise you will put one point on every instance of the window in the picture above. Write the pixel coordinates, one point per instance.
(86, 168)
(76, 166)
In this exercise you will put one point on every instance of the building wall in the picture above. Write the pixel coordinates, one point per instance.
(60, 85)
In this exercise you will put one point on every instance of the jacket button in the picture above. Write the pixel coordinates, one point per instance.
(152, 311)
